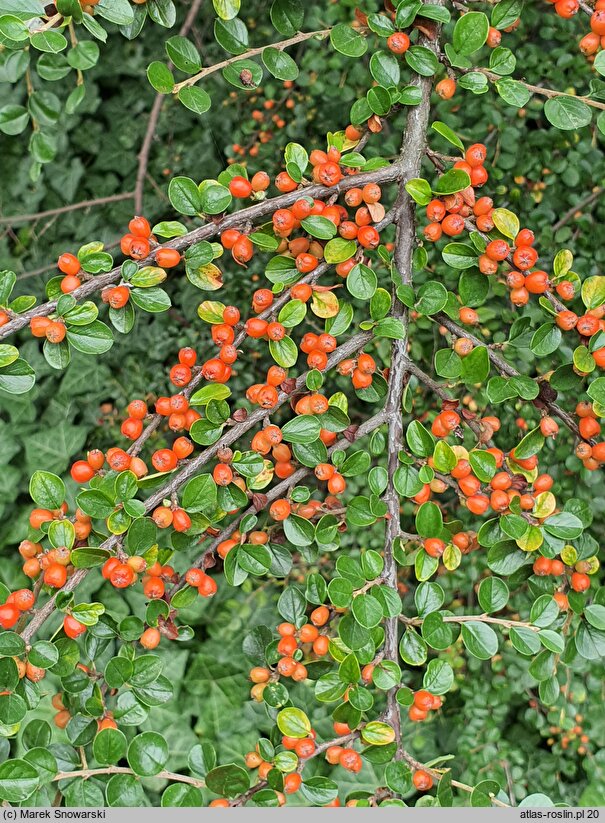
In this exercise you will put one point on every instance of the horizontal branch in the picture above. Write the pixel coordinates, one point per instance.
(179, 478)
(319, 749)
(280, 491)
(251, 214)
(543, 92)
(438, 774)
(83, 204)
(282, 44)
(155, 420)
(473, 618)
(86, 773)
(506, 369)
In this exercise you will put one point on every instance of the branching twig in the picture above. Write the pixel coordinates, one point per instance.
(189, 470)
(282, 44)
(586, 201)
(506, 369)
(250, 215)
(280, 491)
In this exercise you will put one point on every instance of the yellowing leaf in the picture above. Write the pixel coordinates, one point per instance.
(377, 734)
(506, 222)
(531, 540)
(593, 292)
(324, 304)
(208, 277)
(562, 263)
(263, 479)
(569, 555)
(340, 401)
(211, 311)
(545, 504)
(451, 557)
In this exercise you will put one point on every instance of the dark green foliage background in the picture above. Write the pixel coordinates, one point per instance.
(487, 722)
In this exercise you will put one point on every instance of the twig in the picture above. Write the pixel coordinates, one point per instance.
(280, 491)
(586, 201)
(179, 478)
(83, 204)
(283, 44)
(86, 773)
(544, 92)
(438, 773)
(251, 214)
(470, 618)
(154, 116)
(506, 369)
(156, 419)
(319, 749)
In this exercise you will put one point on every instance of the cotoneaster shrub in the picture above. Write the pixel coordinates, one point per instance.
(387, 479)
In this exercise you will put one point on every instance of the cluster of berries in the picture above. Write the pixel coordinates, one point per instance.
(424, 702)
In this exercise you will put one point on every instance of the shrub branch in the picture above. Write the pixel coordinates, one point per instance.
(251, 214)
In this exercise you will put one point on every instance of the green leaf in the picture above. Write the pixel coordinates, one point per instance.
(228, 781)
(184, 196)
(298, 530)
(280, 64)
(147, 753)
(302, 429)
(564, 525)
(419, 190)
(287, 16)
(46, 490)
(453, 180)
(475, 367)
(513, 92)
(160, 77)
(567, 113)
(338, 250)
(198, 101)
(348, 41)
(12, 28)
(367, 611)
(49, 41)
(412, 648)
(546, 339)
(595, 615)
(493, 594)
(293, 722)
(109, 746)
(445, 131)
(480, 639)
(470, 32)
(94, 338)
(384, 68)
(318, 791)
(18, 778)
(318, 226)
(422, 60)
(361, 282)
(183, 54)
(432, 298)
